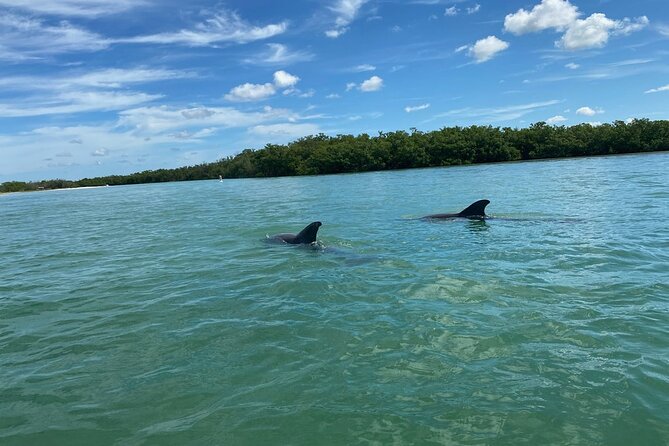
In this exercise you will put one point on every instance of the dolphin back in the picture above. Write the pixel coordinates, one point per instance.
(476, 209)
(308, 234)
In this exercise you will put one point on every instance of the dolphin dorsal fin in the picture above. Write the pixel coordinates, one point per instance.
(476, 209)
(308, 234)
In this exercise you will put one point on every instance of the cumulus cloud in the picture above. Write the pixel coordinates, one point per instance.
(556, 119)
(285, 80)
(572, 66)
(335, 33)
(485, 49)
(556, 14)
(560, 15)
(658, 89)
(588, 111)
(451, 11)
(374, 83)
(592, 32)
(345, 12)
(415, 108)
(249, 92)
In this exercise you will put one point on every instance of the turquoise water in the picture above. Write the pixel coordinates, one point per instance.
(159, 315)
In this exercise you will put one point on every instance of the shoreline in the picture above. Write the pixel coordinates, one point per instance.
(355, 172)
(54, 189)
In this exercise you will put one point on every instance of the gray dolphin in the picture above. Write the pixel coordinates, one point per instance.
(474, 211)
(305, 236)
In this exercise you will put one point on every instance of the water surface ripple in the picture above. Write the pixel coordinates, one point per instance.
(158, 315)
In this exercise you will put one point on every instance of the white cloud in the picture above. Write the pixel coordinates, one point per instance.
(279, 54)
(556, 119)
(285, 80)
(495, 114)
(335, 33)
(588, 111)
(485, 49)
(374, 83)
(474, 9)
(286, 130)
(332, 96)
(658, 89)
(663, 29)
(572, 66)
(100, 152)
(556, 14)
(81, 8)
(152, 121)
(592, 32)
(112, 78)
(410, 109)
(24, 38)
(451, 11)
(197, 113)
(363, 68)
(76, 102)
(627, 26)
(251, 92)
(561, 15)
(77, 92)
(187, 135)
(345, 12)
(225, 26)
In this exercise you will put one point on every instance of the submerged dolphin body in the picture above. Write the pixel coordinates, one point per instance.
(305, 236)
(474, 211)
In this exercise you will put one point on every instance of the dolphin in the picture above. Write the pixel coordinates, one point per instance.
(475, 211)
(305, 236)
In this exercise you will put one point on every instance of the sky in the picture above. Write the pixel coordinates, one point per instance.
(97, 87)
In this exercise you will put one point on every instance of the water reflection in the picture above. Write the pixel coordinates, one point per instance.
(477, 225)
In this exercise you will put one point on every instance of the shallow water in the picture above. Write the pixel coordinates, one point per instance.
(159, 315)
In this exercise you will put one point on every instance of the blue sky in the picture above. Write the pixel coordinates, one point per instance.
(98, 87)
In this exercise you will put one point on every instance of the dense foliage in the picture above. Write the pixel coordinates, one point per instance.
(322, 154)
